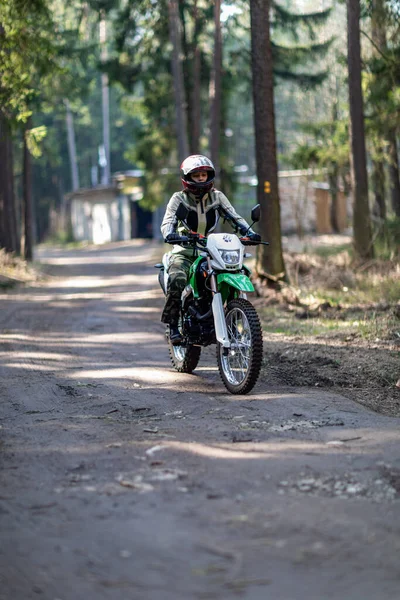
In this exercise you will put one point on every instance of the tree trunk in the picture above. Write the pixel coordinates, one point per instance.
(361, 214)
(378, 182)
(71, 146)
(4, 239)
(334, 170)
(196, 86)
(191, 68)
(269, 261)
(378, 34)
(379, 38)
(177, 74)
(378, 29)
(27, 198)
(215, 87)
(8, 222)
(394, 173)
(333, 189)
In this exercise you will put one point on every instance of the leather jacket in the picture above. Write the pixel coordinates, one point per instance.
(213, 205)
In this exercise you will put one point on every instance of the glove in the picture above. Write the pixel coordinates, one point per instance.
(172, 237)
(254, 237)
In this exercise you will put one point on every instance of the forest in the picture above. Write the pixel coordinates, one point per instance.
(241, 440)
(101, 86)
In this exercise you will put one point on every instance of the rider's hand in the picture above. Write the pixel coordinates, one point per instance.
(253, 236)
(172, 237)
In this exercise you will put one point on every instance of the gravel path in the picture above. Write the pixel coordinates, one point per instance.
(123, 480)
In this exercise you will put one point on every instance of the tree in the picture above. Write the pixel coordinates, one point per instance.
(269, 260)
(8, 224)
(195, 15)
(362, 233)
(384, 76)
(297, 61)
(27, 196)
(177, 74)
(378, 35)
(26, 56)
(215, 87)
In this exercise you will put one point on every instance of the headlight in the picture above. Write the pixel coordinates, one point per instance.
(230, 257)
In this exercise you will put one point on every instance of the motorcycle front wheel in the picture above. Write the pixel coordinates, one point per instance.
(240, 366)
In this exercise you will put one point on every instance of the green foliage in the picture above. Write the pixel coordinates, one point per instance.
(331, 145)
(296, 23)
(295, 51)
(78, 83)
(27, 55)
(141, 63)
(382, 86)
(34, 138)
(387, 244)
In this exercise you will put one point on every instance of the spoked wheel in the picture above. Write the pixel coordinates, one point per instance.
(240, 367)
(184, 358)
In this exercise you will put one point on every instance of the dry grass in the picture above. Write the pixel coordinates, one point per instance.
(337, 326)
(14, 270)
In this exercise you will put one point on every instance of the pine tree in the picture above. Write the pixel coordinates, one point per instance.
(269, 259)
(178, 86)
(296, 53)
(361, 214)
(384, 77)
(215, 87)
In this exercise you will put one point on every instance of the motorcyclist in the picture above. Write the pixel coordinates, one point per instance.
(206, 206)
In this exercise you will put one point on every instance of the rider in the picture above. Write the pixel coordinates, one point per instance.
(205, 205)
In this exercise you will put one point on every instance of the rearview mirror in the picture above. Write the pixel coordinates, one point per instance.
(182, 212)
(256, 213)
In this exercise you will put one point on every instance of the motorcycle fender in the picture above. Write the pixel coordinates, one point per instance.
(192, 276)
(237, 280)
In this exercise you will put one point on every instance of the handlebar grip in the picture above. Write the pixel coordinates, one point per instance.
(178, 240)
(248, 242)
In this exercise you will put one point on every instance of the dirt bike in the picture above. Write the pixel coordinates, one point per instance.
(215, 309)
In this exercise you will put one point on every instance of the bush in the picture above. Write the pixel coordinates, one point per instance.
(387, 244)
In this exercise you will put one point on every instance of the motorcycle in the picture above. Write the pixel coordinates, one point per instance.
(215, 308)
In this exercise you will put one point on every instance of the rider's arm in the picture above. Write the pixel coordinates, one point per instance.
(170, 221)
(227, 211)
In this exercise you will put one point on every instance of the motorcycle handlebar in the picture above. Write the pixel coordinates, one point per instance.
(178, 240)
(182, 239)
(191, 237)
(248, 242)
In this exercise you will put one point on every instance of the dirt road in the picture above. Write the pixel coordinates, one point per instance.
(123, 480)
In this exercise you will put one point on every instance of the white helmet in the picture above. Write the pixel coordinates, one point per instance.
(192, 164)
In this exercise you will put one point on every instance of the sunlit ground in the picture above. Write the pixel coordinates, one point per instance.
(263, 450)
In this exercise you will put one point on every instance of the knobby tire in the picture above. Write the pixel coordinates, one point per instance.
(184, 358)
(256, 348)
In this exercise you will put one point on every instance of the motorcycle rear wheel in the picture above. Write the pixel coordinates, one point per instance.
(184, 358)
(240, 367)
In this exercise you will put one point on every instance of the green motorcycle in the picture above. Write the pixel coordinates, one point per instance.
(215, 308)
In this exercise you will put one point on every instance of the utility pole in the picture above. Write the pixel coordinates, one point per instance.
(105, 94)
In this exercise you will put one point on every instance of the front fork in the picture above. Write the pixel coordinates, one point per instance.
(221, 332)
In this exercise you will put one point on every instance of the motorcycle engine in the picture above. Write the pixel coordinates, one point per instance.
(199, 332)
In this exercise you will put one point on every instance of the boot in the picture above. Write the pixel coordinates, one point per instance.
(174, 334)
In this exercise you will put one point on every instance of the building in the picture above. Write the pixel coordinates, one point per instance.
(110, 213)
